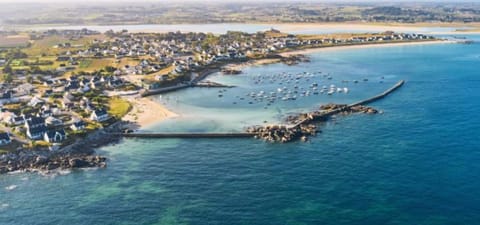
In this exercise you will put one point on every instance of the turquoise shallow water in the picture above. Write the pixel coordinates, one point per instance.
(415, 164)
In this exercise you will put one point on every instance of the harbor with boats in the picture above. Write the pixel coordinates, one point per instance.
(298, 127)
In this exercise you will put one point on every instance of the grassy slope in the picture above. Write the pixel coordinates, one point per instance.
(118, 107)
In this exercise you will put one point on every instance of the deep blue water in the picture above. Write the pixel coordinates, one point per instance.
(417, 163)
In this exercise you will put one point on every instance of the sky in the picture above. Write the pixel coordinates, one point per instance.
(106, 1)
(99, 2)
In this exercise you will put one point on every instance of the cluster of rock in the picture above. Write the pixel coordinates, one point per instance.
(80, 154)
(27, 160)
(303, 125)
(349, 109)
(294, 59)
(283, 134)
(230, 71)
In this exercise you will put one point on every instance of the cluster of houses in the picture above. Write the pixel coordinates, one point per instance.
(82, 84)
(190, 51)
(72, 34)
(61, 99)
(47, 124)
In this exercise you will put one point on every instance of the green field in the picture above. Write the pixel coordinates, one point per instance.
(118, 107)
(85, 64)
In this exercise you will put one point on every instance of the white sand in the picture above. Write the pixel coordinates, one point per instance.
(146, 112)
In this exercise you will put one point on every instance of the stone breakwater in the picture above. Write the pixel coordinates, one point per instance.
(80, 154)
(303, 126)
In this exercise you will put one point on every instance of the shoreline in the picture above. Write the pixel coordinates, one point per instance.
(146, 112)
(362, 46)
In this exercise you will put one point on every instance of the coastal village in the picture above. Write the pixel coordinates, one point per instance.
(61, 85)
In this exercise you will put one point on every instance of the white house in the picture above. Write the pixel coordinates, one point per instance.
(99, 115)
(35, 127)
(55, 136)
(5, 138)
(76, 126)
(16, 120)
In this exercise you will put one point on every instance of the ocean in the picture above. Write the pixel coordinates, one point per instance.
(416, 163)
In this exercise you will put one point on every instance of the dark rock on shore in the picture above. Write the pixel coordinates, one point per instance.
(80, 154)
(294, 59)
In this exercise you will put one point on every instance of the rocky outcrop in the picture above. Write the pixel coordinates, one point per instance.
(27, 160)
(81, 154)
(284, 134)
(303, 125)
(294, 59)
(349, 110)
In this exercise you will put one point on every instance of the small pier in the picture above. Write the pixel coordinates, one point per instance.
(189, 135)
(211, 84)
(164, 90)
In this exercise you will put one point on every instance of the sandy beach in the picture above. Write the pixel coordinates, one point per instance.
(379, 45)
(146, 112)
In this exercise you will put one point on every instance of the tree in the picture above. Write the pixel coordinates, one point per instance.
(7, 69)
(7, 78)
(110, 69)
(36, 70)
(29, 79)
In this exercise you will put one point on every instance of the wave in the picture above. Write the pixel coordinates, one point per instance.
(11, 187)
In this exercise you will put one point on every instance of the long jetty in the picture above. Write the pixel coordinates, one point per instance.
(190, 135)
(324, 115)
(380, 96)
(309, 119)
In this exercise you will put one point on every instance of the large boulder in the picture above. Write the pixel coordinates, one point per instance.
(41, 160)
(78, 163)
